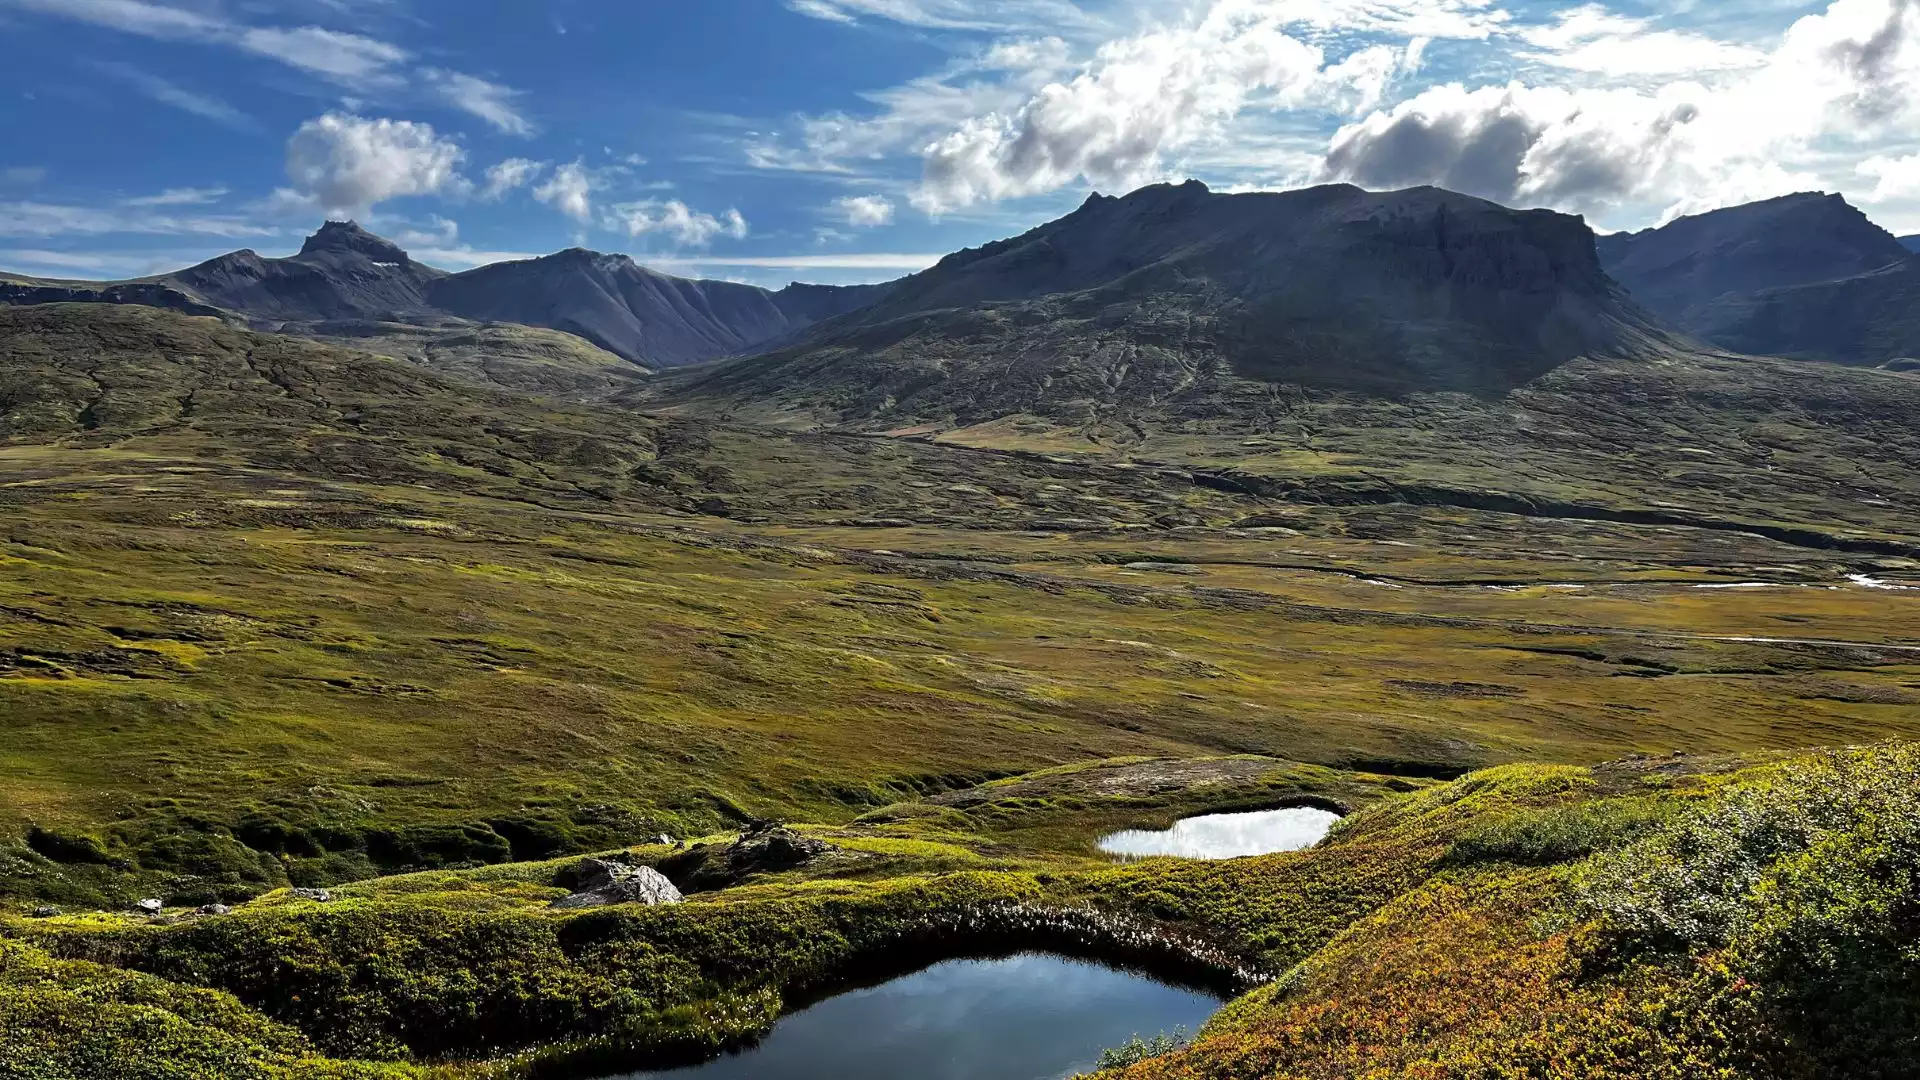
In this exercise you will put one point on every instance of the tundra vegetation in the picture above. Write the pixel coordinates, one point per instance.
(279, 615)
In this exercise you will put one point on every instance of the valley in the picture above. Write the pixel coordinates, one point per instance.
(344, 648)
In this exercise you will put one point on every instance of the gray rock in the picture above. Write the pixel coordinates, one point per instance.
(149, 906)
(319, 896)
(216, 909)
(600, 883)
(45, 911)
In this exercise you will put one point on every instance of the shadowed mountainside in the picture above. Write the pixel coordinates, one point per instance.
(1806, 276)
(1173, 292)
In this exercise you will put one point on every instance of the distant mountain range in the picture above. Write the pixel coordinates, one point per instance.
(1125, 301)
(1804, 276)
(345, 277)
(1911, 243)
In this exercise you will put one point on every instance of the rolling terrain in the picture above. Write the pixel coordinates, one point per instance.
(1130, 517)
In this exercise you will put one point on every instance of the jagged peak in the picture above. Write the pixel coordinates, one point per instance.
(349, 236)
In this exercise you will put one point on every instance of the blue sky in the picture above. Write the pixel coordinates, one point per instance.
(848, 140)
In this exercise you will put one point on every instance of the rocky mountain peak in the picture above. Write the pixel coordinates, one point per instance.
(349, 237)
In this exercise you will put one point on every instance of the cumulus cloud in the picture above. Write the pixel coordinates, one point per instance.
(1515, 143)
(676, 221)
(510, 175)
(347, 164)
(1142, 98)
(1732, 130)
(570, 191)
(865, 211)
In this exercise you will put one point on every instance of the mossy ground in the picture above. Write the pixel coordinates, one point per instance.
(275, 615)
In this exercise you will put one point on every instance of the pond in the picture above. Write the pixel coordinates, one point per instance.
(1026, 1017)
(1227, 836)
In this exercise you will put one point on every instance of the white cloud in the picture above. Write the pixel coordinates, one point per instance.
(40, 219)
(676, 221)
(1142, 98)
(346, 164)
(438, 234)
(356, 62)
(569, 191)
(129, 16)
(179, 197)
(1896, 177)
(865, 211)
(1595, 40)
(1737, 126)
(497, 105)
(1000, 15)
(510, 175)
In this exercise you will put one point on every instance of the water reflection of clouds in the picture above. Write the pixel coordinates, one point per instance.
(1227, 836)
(1028, 1017)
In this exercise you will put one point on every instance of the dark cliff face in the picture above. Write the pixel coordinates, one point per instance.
(347, 237)
(1686, 269)
(1128, 300)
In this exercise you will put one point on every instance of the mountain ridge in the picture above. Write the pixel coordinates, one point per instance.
(344, 273)
(1762, 277)
(1136, 300)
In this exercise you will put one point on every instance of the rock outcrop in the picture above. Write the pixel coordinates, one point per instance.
(765, 848)
(601, 882)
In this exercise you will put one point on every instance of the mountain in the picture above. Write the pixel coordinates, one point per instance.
(1173, 292)
(1911, 243)
(345, 275)
(1867, 319)
(635, 312)
(1734, 277)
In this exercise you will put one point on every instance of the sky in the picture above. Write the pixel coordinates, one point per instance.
(859, 140)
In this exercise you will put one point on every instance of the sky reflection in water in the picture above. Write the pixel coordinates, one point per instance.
(1028, 1017)
(1227, 836)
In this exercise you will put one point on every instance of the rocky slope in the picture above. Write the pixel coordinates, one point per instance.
(1764, 277)
(1173, 291)
(1867, 319)
(1911, 243)
(345, 274)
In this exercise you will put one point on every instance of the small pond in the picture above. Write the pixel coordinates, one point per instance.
(1227, 836)
(1026, 1017)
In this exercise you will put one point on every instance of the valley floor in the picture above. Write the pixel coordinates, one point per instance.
(276, 616)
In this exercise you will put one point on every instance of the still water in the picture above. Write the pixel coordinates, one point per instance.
(1227, 836)
(1027, 1017)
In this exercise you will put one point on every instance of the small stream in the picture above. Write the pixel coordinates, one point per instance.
(1226, 836)
(1025, 1017)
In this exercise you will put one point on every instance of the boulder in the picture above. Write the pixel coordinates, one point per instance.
(149, 906)
(45, 911)
(600, 883)
(215, 909)
(765, 848)
(318, 896)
